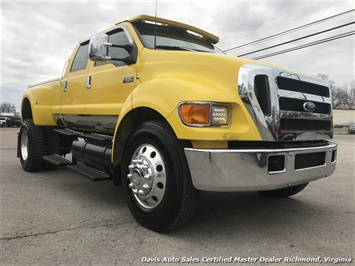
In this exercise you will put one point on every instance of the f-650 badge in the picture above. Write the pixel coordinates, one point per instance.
(128, 80)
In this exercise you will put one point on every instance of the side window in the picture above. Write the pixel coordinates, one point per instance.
(117, 37)
(81, 58)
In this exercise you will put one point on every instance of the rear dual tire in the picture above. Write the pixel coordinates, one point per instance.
(31, 146)
(35, 142)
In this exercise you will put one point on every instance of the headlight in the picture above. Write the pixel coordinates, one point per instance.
(204, 114)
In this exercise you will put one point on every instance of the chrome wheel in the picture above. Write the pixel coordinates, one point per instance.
(25, 146)
(147, 176)
(156, 179)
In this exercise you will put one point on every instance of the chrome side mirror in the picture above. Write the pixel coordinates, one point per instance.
(99, 49)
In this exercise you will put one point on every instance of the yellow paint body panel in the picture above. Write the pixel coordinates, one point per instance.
(169, 78)
(44, 100)
(162, 80)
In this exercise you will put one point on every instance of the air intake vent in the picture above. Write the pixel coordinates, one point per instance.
(289, 104)
(308, 160)
(302, 86)
(262, 92)
(296, 125)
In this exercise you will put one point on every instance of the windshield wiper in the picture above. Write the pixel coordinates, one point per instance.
(167, 47)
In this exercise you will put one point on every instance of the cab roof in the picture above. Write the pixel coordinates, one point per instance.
(151, 19)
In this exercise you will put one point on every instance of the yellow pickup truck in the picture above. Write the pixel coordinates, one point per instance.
(155, 106)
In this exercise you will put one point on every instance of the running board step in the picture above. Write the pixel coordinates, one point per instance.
(94, 136)
(87, 171)
(67, 132)
(57, 160)
(89, 136)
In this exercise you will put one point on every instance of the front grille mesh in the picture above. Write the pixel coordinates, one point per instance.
(294, 117)
(302, 125)
(290, 104)
(302, 86)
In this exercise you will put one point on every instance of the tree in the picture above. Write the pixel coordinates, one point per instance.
(7, 107)
(340, 96)
(351, 98)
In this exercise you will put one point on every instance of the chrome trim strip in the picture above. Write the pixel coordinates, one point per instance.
(265, 124)
(305, 115)
(304, 96)
(331, 145)
(247, 170)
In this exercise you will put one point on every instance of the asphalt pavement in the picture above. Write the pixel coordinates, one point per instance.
(61, 218)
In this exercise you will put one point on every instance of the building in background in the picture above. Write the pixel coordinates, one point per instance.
(343, 117)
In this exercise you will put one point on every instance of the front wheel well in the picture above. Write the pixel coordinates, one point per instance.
(26, 110)
(131, 120)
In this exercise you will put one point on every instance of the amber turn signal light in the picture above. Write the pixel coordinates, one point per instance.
(204, 114)
(196, 114)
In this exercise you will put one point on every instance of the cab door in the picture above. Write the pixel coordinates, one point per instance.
(74, 88)
(110, 84)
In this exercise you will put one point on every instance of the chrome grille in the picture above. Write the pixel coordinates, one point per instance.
(286, 105)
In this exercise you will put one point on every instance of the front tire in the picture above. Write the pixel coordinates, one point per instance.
(31, 145)
(156, 178)
(284, 192)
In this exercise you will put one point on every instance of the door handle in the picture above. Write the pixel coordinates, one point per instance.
(88, 82)
(65, 86)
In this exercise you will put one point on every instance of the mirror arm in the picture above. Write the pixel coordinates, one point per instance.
(117, 59)
(127, 47)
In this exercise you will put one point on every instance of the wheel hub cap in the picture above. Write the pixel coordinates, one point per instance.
(147, 176)
(24, 145)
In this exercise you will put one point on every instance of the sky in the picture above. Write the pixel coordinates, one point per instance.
(38, 37)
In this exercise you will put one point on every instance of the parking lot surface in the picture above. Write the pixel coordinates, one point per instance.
(61, 218)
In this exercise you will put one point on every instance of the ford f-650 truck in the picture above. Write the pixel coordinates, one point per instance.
(153, 105)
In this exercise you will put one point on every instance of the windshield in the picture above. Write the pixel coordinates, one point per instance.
(172, 38)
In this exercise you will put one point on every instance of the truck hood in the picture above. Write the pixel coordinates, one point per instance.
(218, 69)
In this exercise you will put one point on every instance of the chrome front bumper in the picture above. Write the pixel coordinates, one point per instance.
(262, 169)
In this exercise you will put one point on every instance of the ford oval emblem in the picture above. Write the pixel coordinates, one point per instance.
(309, 107)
